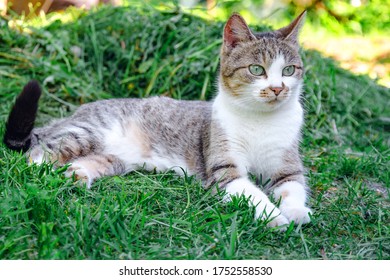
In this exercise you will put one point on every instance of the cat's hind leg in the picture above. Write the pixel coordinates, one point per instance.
(89, 168)
(61, 142)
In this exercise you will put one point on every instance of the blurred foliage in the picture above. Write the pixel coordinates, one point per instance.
(345, 16)
(336, 16)
(351, 16)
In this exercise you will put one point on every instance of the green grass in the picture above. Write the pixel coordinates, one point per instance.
(141, 52)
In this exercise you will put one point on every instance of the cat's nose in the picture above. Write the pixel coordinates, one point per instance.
(276, 90)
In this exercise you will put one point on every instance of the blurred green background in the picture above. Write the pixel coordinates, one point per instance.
(356, 33)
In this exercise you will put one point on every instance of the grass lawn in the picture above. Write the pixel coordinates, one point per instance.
(139, 52)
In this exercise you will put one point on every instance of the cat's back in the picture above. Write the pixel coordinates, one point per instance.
(154, 108)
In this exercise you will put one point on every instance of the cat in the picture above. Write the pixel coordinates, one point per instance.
(251, 127)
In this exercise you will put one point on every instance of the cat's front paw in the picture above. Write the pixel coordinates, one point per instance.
(274, 217)
(279, 221)
(296, 214)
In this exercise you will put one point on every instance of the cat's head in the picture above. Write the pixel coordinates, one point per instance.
(260, 71)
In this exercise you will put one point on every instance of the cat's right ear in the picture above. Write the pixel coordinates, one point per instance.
(290, 32)
(236, 31)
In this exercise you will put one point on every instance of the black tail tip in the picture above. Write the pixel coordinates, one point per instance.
(33, 90)
(21, 119)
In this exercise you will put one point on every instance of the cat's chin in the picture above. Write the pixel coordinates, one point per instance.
(274, 102)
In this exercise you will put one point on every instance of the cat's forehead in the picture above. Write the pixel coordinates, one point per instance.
(260, 35)
(264, 51)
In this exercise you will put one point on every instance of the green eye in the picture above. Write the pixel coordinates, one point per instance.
(256, 70)
(288, 70)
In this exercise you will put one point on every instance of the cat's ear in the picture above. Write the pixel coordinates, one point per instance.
(236, 31)
(290, 32)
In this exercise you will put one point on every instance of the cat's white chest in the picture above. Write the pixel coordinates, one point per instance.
(260, 148)
(260, 143)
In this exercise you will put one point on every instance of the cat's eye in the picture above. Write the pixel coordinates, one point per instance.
(288, 70)
(256, 70)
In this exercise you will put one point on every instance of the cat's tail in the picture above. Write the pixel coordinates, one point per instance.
(21, 119)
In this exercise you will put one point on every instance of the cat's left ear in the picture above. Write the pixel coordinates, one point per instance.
(236, 31)
(290, 32)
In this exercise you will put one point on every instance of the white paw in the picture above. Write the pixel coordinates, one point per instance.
(264, 208)
(81, 174)
(296, 214)
(279, 221)
(36, 155)
(273, 215)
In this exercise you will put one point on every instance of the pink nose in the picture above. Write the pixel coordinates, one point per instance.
(276, 90)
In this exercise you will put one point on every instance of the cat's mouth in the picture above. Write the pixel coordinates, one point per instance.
(274, 101)
(268, 99)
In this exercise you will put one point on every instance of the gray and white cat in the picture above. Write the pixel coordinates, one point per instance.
(252, 126)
